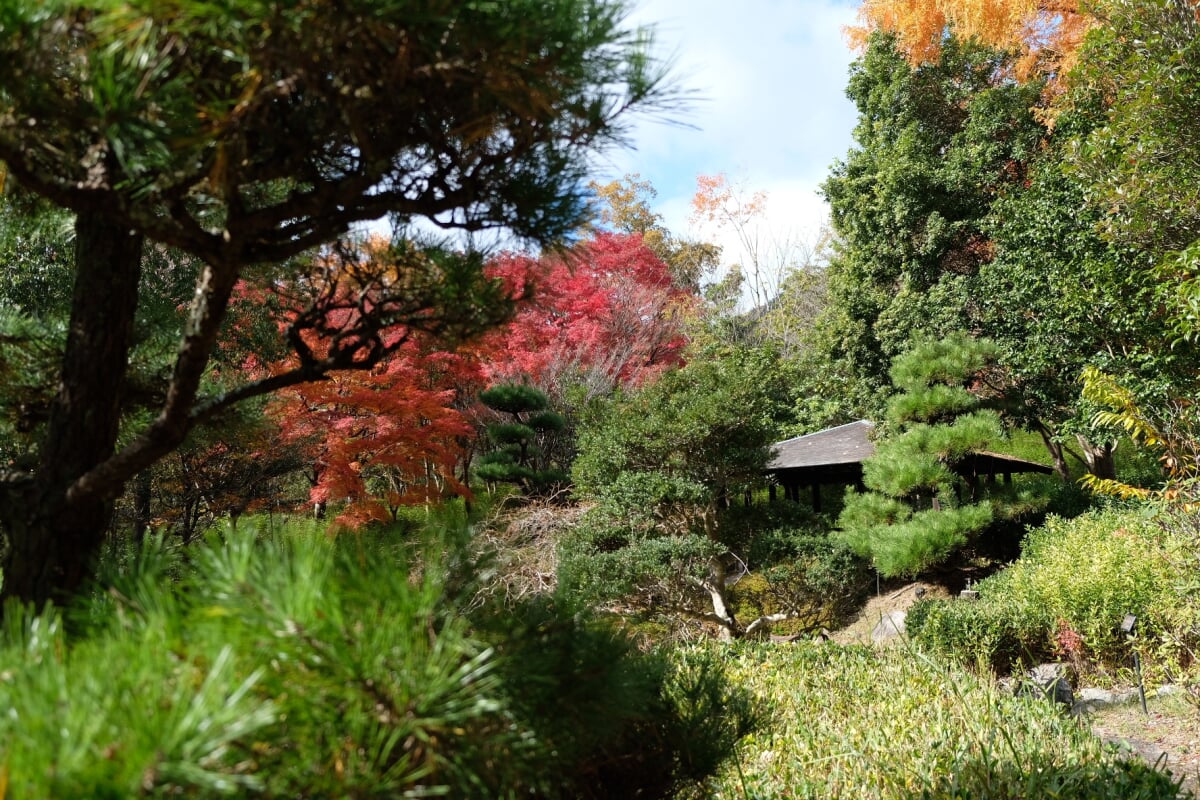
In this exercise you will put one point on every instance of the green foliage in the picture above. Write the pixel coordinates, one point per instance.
(853, 722)
(268, 137)
(295, 665)
(916, 542)
(547, 422)
(29, 352)
(35, 249)
(523, 442)
(640, 724)
(987, 635)
(946, 362)
(934, 145)
(1084, 300)
(510, 433)
(920, 510)
(1140, 165)
(514, 398)
(1167, 428)
(711, 422)
(662, 465)
(815, 580)
(172, 119)
(602, 559)
(1081, 575)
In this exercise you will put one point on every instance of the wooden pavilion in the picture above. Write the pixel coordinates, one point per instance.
(836, 455)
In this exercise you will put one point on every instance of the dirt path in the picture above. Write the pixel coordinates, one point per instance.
(1169, 736)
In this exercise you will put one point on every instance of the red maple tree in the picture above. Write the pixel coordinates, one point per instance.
(607, 314)
(379, 440)
(403, 432)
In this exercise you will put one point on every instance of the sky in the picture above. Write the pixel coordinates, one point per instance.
(770, 112)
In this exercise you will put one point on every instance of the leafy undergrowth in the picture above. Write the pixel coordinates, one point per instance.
(852, 722)
(292, 665)
(1067, 595)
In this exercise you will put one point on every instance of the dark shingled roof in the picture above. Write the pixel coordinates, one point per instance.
(845, 444)
(835, 455)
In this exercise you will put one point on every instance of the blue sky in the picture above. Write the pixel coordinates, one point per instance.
(771, 112)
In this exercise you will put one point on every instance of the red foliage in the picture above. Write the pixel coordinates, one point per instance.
(385, 438)
(608, 314)
(397, 434)
(375, 439)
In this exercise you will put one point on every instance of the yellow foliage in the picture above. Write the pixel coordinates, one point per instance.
(1173, 433)
(1045, 33)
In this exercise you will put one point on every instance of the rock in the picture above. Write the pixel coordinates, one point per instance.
(890, 626)
(1052, 681)
(1089, 699)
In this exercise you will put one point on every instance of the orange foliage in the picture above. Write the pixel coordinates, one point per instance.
(374, 439)
(384, 438)
(719, 202)
(1045, 33)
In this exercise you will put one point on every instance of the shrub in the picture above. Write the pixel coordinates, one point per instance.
(819, 581)
(1066, 596)
(294, 665)
(982, 633)
(640, 725)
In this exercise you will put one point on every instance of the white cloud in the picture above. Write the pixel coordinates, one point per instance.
(773, 113)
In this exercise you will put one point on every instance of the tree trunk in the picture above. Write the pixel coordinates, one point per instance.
(53, 534)
(1055, 449)
(143, 493)
(1099, 458)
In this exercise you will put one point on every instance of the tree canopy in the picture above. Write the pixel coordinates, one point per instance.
(246, 133)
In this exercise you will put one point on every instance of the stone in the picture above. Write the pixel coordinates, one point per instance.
(1091, 699)
(890, 626)
(1052, 681)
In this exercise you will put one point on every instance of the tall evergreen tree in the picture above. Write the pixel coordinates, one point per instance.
(244, 134)
(934, 145)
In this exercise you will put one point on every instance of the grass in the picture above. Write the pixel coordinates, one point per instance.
(852, 722)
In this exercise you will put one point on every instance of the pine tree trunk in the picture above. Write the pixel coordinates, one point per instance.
(53, 532)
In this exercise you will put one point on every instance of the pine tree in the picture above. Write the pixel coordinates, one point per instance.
(519, 457)
(919, 510)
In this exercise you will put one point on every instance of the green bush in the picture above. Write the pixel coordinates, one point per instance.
(641, 725)
(1065, 597)
(981, 633)
(820, 581)
(291, 665)
(604, 560)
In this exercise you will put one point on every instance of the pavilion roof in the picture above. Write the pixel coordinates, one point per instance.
(845, 444)
(836, 451)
